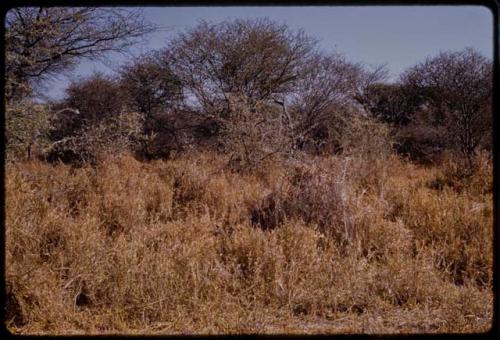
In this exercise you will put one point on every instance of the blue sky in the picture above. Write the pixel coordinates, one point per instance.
(397, 36)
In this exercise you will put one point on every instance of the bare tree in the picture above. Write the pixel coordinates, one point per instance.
(254, 58)
(42, 42)
(391, 103)
(150, 85)
(96, 97)
(233, 72)
(317, 104)
(459, 88)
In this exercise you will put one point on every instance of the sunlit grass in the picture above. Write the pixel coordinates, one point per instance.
(169, 247)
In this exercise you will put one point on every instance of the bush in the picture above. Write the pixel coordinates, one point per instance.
(321, 197)
(26, 129)
(95, 122)
(91, 143)
(456, 175)
(317, 193)
(253, 131)
(163, 134)
(97, 97)
(367, 138)
(419, 142)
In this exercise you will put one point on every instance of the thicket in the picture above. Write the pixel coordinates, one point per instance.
(281, 96)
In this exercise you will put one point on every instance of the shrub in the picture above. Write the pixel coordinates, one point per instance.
(94, 123)
(456, 174)
(97, 97)
(367, 138)
(90, 143)
(318, 194)
(26, 129)
(321, 197)
(253, 131)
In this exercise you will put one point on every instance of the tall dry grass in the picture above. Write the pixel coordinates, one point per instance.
(333, 244)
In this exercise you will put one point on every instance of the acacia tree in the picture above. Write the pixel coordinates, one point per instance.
(254, 58)
(151, 89)
(45, 41)
(150, 85)
(458, 88)
(391, 103)
(318, 102)
(233, 71)
(98, 122)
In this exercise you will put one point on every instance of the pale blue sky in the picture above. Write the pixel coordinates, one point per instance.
(398, 36)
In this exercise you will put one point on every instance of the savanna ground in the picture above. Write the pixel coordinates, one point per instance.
(185, 246)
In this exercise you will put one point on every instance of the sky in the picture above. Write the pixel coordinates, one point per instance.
(396, 36)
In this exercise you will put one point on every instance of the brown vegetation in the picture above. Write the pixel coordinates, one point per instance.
(176, 247)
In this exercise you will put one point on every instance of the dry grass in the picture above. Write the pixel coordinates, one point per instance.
(187, 247)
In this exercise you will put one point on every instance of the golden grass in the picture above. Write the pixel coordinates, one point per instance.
(169, 247)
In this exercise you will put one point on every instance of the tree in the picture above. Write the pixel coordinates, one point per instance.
(318, 103)
(254, 58)
(26, 128)
(154, 91)
(42, 42)
(96, 97)
(391, 103)
(458, 88)
(150, 85)
(232, 73)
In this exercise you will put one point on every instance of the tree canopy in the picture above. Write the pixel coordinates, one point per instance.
(42, 42)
